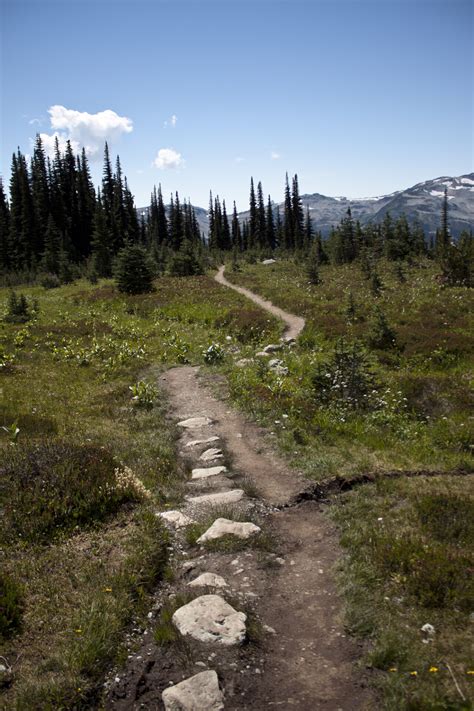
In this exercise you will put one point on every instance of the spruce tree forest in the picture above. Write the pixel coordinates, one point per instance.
(56, 227)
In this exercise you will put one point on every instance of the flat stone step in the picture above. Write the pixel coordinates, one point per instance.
(224, 497)
(209, 618)
(194, 422)
(210, 454)
(208, 472)
(225, 527)
(198, 693)
(197, 442)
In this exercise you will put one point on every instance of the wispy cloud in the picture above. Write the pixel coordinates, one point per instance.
(35, 122)
(274, 155)
(172, 121)
(239, 159)
(84, 129)
(168, 158)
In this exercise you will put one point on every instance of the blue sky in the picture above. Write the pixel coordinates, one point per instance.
(358, 97)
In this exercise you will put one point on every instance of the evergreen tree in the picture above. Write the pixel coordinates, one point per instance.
(133, 270)
(261, 234)
(443, 239)
(381, 335)
(40, 194)
(5, 247)
(101, 242)
(308, 231)
(288, 231)
(253, 219)
(270, 239)
(236, 233)
(85, 206)
(297, 215)
(185, 262)
(52, 247)
(226, 238)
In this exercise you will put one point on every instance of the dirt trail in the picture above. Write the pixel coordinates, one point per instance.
(294, 324)
(303, 658)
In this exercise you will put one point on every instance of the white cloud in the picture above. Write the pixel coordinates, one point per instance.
(35, 122)
(48, 141)
(84, 129)
(239, 159)
(167, 158)
(172, 121)
(274, 155)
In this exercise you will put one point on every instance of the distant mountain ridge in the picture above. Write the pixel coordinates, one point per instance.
(421, 201)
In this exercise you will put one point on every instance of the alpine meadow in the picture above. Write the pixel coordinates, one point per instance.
(236, 405)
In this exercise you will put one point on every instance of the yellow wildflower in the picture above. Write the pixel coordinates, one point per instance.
(470, 671)
(79, 631)
(107, 589)
(433, 670)
(413, 673)
(393, 669)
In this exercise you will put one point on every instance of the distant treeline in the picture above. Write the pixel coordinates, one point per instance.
(56, 220)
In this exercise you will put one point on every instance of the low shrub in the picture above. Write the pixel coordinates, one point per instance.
(11, 606)
(20, 310)
(56, 486)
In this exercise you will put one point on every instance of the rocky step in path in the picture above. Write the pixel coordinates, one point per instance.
(260, 627)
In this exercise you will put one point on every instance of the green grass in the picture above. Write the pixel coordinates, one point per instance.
(82, 542)
(420, 415)
(408, 542)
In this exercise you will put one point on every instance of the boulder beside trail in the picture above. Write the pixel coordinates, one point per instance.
(175, 518)
(210, 454)
(210, 580)
(198, 693)
(209, 618)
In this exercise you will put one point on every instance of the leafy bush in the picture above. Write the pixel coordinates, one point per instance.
(346, 378)
(50, 281)
(133, 270)
(214, 354)
(11, 606)
(56, 486)
(143, 394)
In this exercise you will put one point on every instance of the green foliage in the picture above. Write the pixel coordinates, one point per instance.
(449, 518)
(50, 281)
(214, 354)
(55, 486)
(12, 431)
(185, 262)
(20, 310)
(143, 394)
(133, 270)
(381, 336)
(376, 285)
(11, 606)
(346, 378)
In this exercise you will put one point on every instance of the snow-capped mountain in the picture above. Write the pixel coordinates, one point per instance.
(423, 201)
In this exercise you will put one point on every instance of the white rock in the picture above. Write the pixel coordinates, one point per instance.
(210, 580)
(205, 473)
(272, 347)
(428, 629)
(210, 454)
(274, 362)
(269, 261)
(243, 362)
(280, 370)
(209, 618)
(175, 518)
(262, 354)
(192, 422)
(224, 497)
(196, 442)
(198, 693)
(225, 527)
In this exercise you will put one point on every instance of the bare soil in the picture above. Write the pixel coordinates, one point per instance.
(298, 655)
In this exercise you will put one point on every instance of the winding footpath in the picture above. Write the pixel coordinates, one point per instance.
(264, 629)
(294, 324)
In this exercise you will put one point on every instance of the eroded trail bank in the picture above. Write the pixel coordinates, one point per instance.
(296, 653)
(294, 324)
